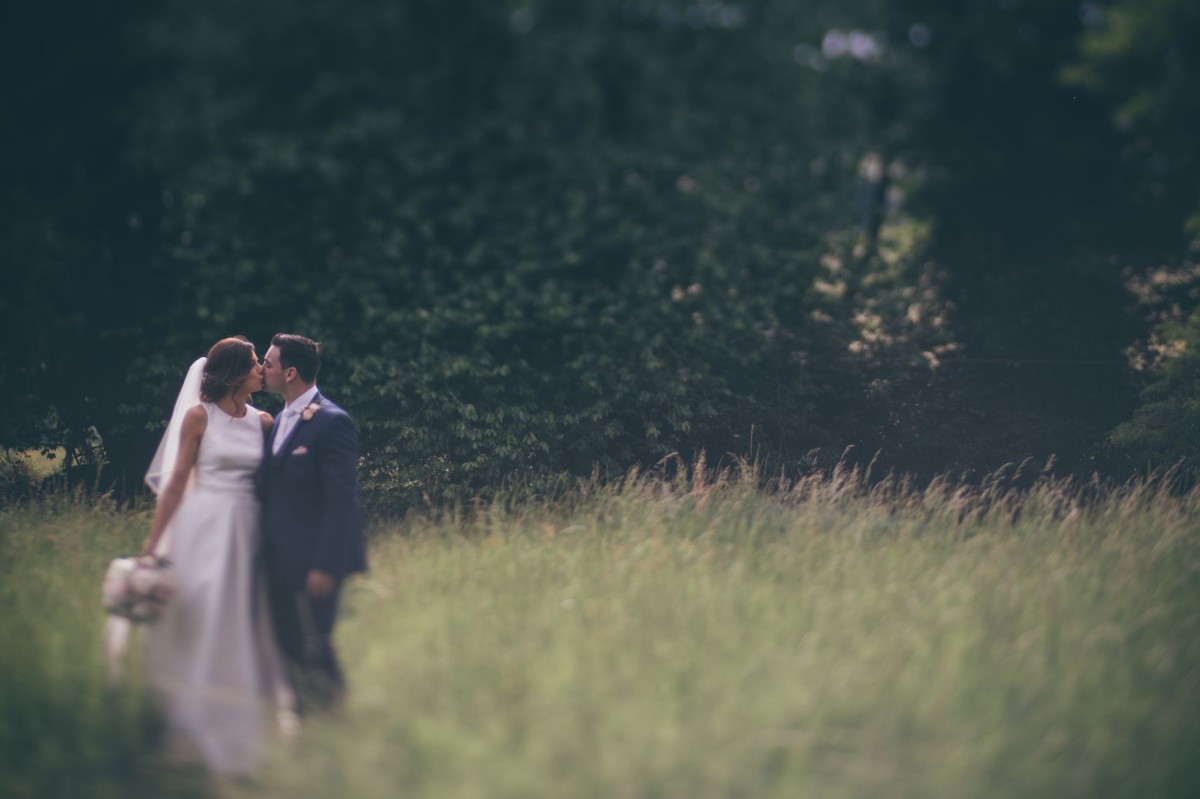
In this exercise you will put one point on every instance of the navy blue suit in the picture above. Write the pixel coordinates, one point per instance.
(311, 520)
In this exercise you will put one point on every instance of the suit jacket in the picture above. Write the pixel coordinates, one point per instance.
(309, 493)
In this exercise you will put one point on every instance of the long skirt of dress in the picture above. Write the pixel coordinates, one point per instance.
(211, 659)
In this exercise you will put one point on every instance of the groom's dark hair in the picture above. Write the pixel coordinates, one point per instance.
(299, 352)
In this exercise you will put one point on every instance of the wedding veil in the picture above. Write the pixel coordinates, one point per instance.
(162, 466)
(117, 629)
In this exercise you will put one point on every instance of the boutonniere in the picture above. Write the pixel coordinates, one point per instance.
(308, 413)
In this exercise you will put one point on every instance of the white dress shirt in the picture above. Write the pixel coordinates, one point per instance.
(290, 416)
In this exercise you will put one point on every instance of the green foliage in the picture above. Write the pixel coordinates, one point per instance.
(1141, 59)
(539, 239)
(547, 258)
(17, 478)
(1036, 219)
(1165, 430)
(64, 732)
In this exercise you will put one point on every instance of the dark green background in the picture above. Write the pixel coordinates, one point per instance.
(543, 238)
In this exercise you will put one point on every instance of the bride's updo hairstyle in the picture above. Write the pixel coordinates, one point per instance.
(229, 361)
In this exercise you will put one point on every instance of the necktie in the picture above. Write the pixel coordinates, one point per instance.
(287, 420)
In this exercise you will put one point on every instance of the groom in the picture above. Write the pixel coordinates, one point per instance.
(312, 525)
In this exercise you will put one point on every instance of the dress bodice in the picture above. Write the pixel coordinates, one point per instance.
(230, 450)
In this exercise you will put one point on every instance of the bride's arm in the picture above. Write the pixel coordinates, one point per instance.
(189, 444)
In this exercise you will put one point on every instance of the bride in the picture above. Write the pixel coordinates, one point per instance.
(212, 659)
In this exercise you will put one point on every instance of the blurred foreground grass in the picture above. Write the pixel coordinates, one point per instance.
(682, 639)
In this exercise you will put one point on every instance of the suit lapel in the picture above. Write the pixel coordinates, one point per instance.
(291, 436)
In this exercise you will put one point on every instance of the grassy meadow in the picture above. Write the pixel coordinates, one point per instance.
(693, 637)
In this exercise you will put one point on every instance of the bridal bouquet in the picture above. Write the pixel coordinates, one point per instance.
(137, 589)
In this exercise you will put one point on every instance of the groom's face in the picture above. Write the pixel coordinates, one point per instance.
(273, 377)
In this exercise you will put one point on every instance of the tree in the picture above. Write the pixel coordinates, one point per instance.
(75, 245)
(1142, 60)
(1037, 218)
(587, 244)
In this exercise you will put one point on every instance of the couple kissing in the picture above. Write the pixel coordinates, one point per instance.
(260, 520)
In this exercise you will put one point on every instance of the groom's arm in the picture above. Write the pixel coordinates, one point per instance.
(339, 476)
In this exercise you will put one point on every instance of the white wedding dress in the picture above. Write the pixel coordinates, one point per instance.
(212, 659)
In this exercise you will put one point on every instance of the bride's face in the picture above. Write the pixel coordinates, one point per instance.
(253, 381)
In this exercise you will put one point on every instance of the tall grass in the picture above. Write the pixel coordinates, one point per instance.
(686, 637)
(63, 730)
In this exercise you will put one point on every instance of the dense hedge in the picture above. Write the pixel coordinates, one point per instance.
(541, 239)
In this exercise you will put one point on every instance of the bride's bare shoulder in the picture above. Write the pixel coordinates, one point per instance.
(195, 420)
(268, 421)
